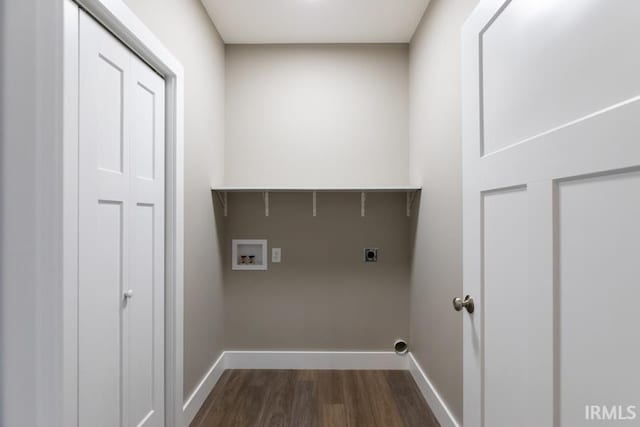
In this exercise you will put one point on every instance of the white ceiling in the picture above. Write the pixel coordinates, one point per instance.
(316, 21)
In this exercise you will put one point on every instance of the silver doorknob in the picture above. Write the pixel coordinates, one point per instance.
(459, 304)
(128, 294)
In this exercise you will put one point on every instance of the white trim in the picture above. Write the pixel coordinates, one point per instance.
(70, 212)
(315, 360)
(202, 391)
(431, 395)
(284, 189)
(119, 19)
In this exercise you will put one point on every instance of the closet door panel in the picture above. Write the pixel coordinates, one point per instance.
(121, 229)
(145, 313)
(103, 223)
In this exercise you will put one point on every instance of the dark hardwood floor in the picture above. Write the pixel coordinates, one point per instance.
(315, 398)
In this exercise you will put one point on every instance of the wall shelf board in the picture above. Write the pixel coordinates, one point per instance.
(373, 189)
(410, 190)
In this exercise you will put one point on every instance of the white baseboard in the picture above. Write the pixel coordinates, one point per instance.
(435, 402)
(199, 395)
(315, 360)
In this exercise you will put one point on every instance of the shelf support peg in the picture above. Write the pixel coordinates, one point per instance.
(314, 204)
(222, 198)
(411, 198)
(265, 195)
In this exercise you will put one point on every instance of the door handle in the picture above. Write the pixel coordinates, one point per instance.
(128, 294)
(459, 304)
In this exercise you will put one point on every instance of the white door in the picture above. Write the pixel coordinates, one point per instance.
(121, 235)
(551, 143)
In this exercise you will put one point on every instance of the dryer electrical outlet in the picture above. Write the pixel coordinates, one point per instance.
(371, 255)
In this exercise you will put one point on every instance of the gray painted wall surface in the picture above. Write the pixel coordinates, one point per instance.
(317, 115)
(323, 296)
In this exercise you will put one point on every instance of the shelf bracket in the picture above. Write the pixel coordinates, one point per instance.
(363, 203)
(314, 204)
(411, 198)
(265, 196)
(222, 198)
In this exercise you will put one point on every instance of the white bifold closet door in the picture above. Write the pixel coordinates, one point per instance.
(121, 235)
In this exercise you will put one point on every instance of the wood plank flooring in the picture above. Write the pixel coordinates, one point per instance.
(302, 398)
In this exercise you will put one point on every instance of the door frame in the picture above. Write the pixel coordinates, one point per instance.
(119, 20)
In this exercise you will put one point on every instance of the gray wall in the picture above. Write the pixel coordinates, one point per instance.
(436, 164)
(293, 110)
(29, 156)
(186, 30)
(323, 295)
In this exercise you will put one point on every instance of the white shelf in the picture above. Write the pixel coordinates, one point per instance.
(387, 189)
(410, 190)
